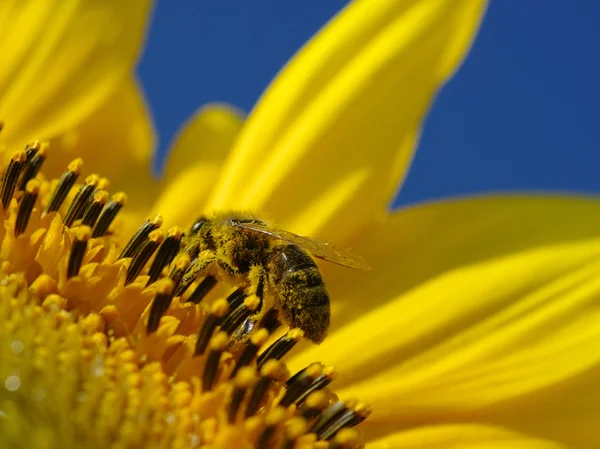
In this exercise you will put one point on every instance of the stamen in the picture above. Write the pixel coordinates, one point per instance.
(31, 149)
(270, 321)
(338, 416)
(65, 183)
(160, 303)
(77, 206)
(299, 382)
(245, 380)
(178, 269)
(103, 184)
(108, 214)
(9, 182)
(143, 255)
(218, 310)
(237, 316)
(26, 206)
(34, 163)
(294, 429)
(250, 350)
(314, 405)
(272, 371)
(93, 211)
(309, 381)
(202, 289)
(141, 235)
(281, 347)
(82, 235)
(165, 255)
(236, 298)
(347, 438)
(218, 344)
(273, 419)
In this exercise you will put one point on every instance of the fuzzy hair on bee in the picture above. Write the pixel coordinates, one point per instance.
(264, 260)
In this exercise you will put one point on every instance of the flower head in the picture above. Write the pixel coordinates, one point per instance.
(99, 351)
(467, 333)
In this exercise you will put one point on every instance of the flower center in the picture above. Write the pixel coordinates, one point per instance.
(106, 347)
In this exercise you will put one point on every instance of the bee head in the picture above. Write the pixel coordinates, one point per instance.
(198, 224)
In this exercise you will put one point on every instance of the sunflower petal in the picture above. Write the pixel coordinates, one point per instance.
(60, 60)
(334, 134)
(117, 142)
(503, 324)
(462, 436)
(195, 162)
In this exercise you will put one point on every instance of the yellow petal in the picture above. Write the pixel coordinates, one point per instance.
(327, 146)
(117, 142)
(60, 60)
(503, 316)
(195, 162)
(462, 436)
(421, 242)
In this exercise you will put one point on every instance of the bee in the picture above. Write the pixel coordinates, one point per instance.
(266, 260)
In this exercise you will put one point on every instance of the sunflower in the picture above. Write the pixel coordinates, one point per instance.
(475, 327)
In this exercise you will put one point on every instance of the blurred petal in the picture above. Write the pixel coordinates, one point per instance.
(329, 142)
(505, 316)
(61, 60)
(421, 242)
(117, 142)
(195, 162)
(462, 436)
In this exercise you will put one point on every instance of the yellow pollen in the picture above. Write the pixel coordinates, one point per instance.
(75, 166)
(120, 198)
(98, 349)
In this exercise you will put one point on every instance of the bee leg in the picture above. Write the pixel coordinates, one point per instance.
(258, 279)
(195, 268)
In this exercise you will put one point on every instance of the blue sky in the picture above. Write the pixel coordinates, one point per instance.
(521, 114)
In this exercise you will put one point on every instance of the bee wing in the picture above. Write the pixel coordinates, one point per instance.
(323, 250)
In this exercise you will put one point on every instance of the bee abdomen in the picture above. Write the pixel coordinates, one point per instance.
(301, 294)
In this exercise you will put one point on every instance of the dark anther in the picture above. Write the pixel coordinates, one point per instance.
(93, 210)
(26, 206)
(160, 304)
(218, 311)
(178, 270)
(165, 255)
(319, 383)
(78, 249)
(108, 214)
(33, 165)
(236, 298)
(270, 321)
(273, 370)
(250, 350)
(242, 383)
(202, 289)
(217, 345)
(140, 236)
(281, 347)
(238, 315)
(299, 382)
(336, 417)
(9, 182)
(65, 183)
(143, 255)
(312, 378)
(330, 414)
(78, 204)
(31, 149)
